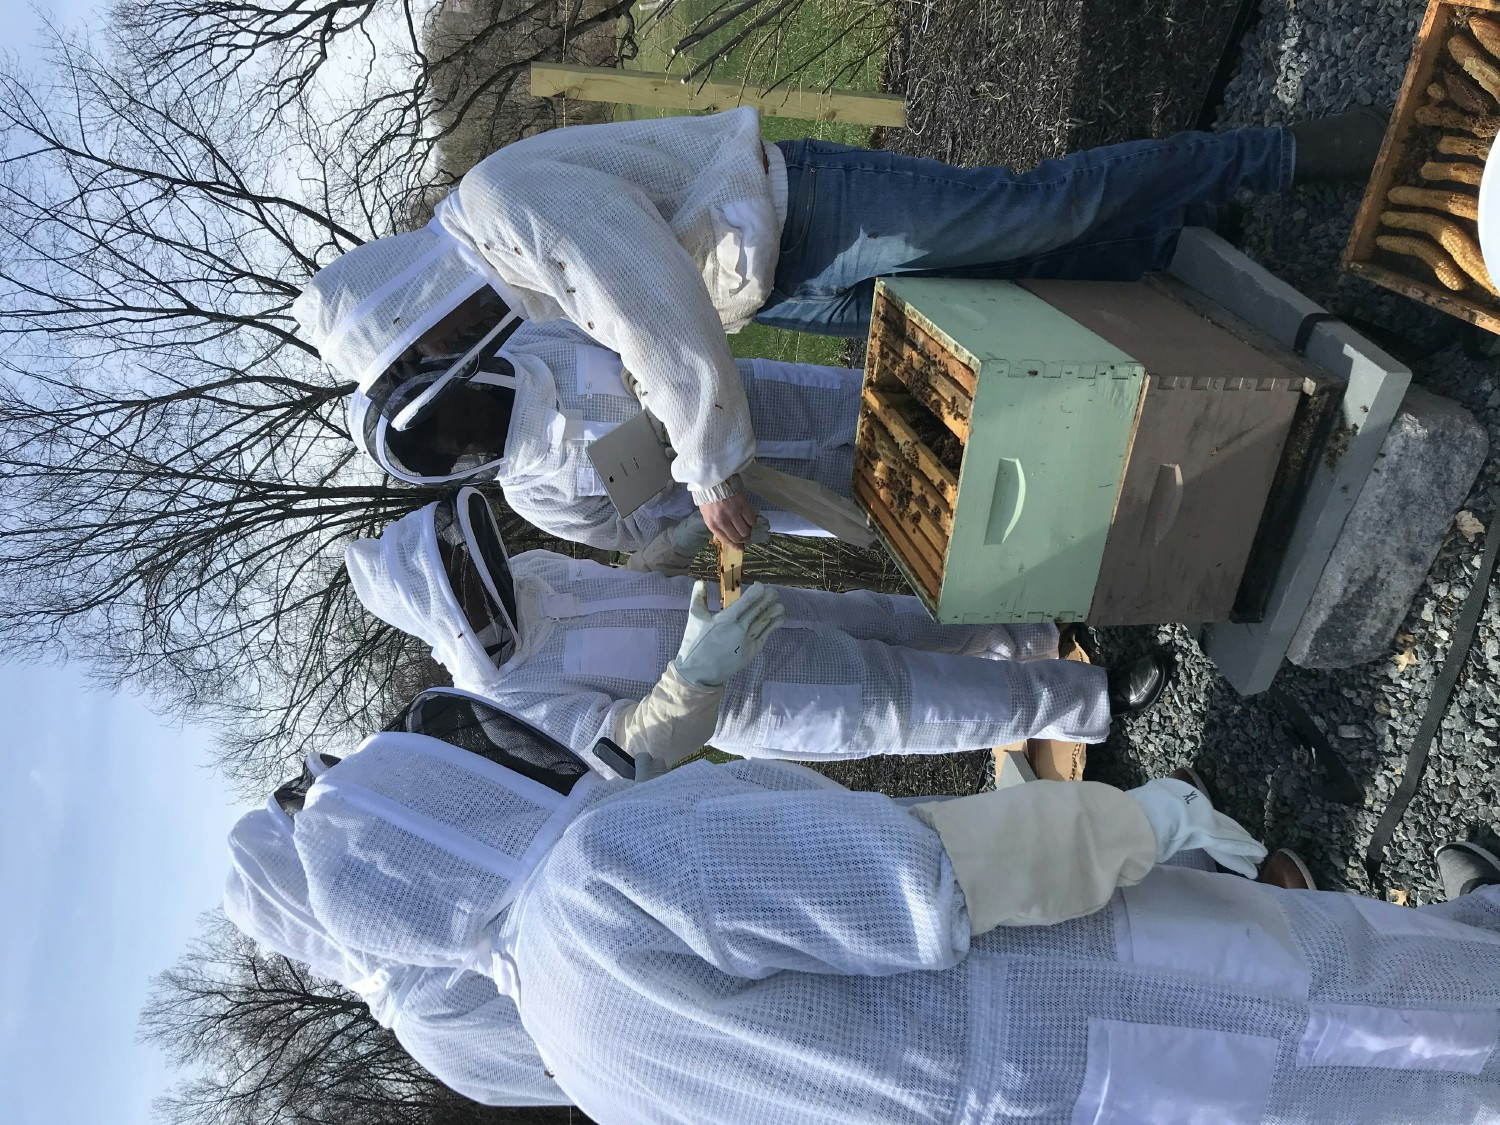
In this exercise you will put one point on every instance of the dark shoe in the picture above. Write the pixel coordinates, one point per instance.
(1136, 687)
(1466, 866)
(1284, 868)
(1340, 147)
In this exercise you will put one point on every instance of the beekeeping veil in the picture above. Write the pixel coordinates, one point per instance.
(460, 1028)
(416, 847)
(442, 575)
(366, 308)
(266, 894)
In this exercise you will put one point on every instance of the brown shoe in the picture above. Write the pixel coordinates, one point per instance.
(1191, 776)
(1284, 868)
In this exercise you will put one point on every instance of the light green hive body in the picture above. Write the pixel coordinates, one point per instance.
(1054, 409)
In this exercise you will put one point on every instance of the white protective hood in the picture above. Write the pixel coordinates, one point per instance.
(415, 847)
(370, 430)
(456, 1025)
(266, 897)
(369, 305)
(464, 608)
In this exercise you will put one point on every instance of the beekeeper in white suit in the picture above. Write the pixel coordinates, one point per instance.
(455, 1024)
(752, 943)
(657, 237)
(529, 413)
(587, 651)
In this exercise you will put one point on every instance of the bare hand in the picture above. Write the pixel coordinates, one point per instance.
(731, 520)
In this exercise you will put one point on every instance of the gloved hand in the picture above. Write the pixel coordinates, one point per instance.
(690, 534)
(1182, 818)
(717, 645)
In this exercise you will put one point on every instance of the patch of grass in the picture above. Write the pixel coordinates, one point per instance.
(820, 31)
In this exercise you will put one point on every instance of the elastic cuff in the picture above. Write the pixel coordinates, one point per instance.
(733, 486)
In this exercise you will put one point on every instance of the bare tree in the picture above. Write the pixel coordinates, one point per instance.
(270, 1043)
(405, 84)
(180, 482)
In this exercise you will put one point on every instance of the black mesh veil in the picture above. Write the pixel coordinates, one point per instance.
(478, 571)
(408, 452)
(471, 724)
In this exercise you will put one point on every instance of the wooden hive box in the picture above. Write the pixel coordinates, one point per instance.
(1435, 145)
(1066, 451)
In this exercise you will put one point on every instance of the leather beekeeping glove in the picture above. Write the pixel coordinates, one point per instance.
(717, 645)
(1042, 852)
(679, 714)
(674, 549)
(1182, 818)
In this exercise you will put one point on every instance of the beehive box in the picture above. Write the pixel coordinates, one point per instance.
(1437, 142)
(1065, 451)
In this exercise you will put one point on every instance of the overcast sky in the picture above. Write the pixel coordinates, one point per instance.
(111, 846)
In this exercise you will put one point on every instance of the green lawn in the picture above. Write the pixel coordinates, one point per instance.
(762, 62)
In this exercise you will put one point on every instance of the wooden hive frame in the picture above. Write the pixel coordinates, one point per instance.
(1362, 257)
(898, 475)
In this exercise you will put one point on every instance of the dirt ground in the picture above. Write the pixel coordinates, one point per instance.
(1017, 81)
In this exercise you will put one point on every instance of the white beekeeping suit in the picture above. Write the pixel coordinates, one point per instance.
(751, 943)
(574, 647)
(654, 237)
(814, 954)
(570, 392)
(459, 1027)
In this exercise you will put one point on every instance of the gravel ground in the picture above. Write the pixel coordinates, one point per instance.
(1014, 81)
(1303, 59)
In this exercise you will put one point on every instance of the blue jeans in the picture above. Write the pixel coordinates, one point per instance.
(1105, 214)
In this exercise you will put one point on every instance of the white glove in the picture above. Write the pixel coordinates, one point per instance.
(690, 534)
(717, 645)
(1182, 818)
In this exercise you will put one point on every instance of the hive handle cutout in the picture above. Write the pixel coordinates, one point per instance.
(1165, 503)
(1009, 500)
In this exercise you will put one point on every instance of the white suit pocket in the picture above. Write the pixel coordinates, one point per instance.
(1147, 1074)
(616, 654)
(598, 373)
(740, 231)
(1219, 926)
(810, 719)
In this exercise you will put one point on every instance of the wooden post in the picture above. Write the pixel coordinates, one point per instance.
(632, 87)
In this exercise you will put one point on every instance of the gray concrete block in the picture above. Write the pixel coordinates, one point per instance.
(1429, 459)
(1249, 653)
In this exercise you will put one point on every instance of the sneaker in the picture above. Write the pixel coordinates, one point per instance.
(1285, 868)
(1342, 146)
(1137, 686)
(1465, 867)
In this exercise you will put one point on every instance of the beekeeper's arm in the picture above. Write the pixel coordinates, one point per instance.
(679, 714)
(618, 272)
(553, 502)
(675, 547)
(833, 881)
(1048, 851)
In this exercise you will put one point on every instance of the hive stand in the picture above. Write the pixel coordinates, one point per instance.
(1249, 654)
